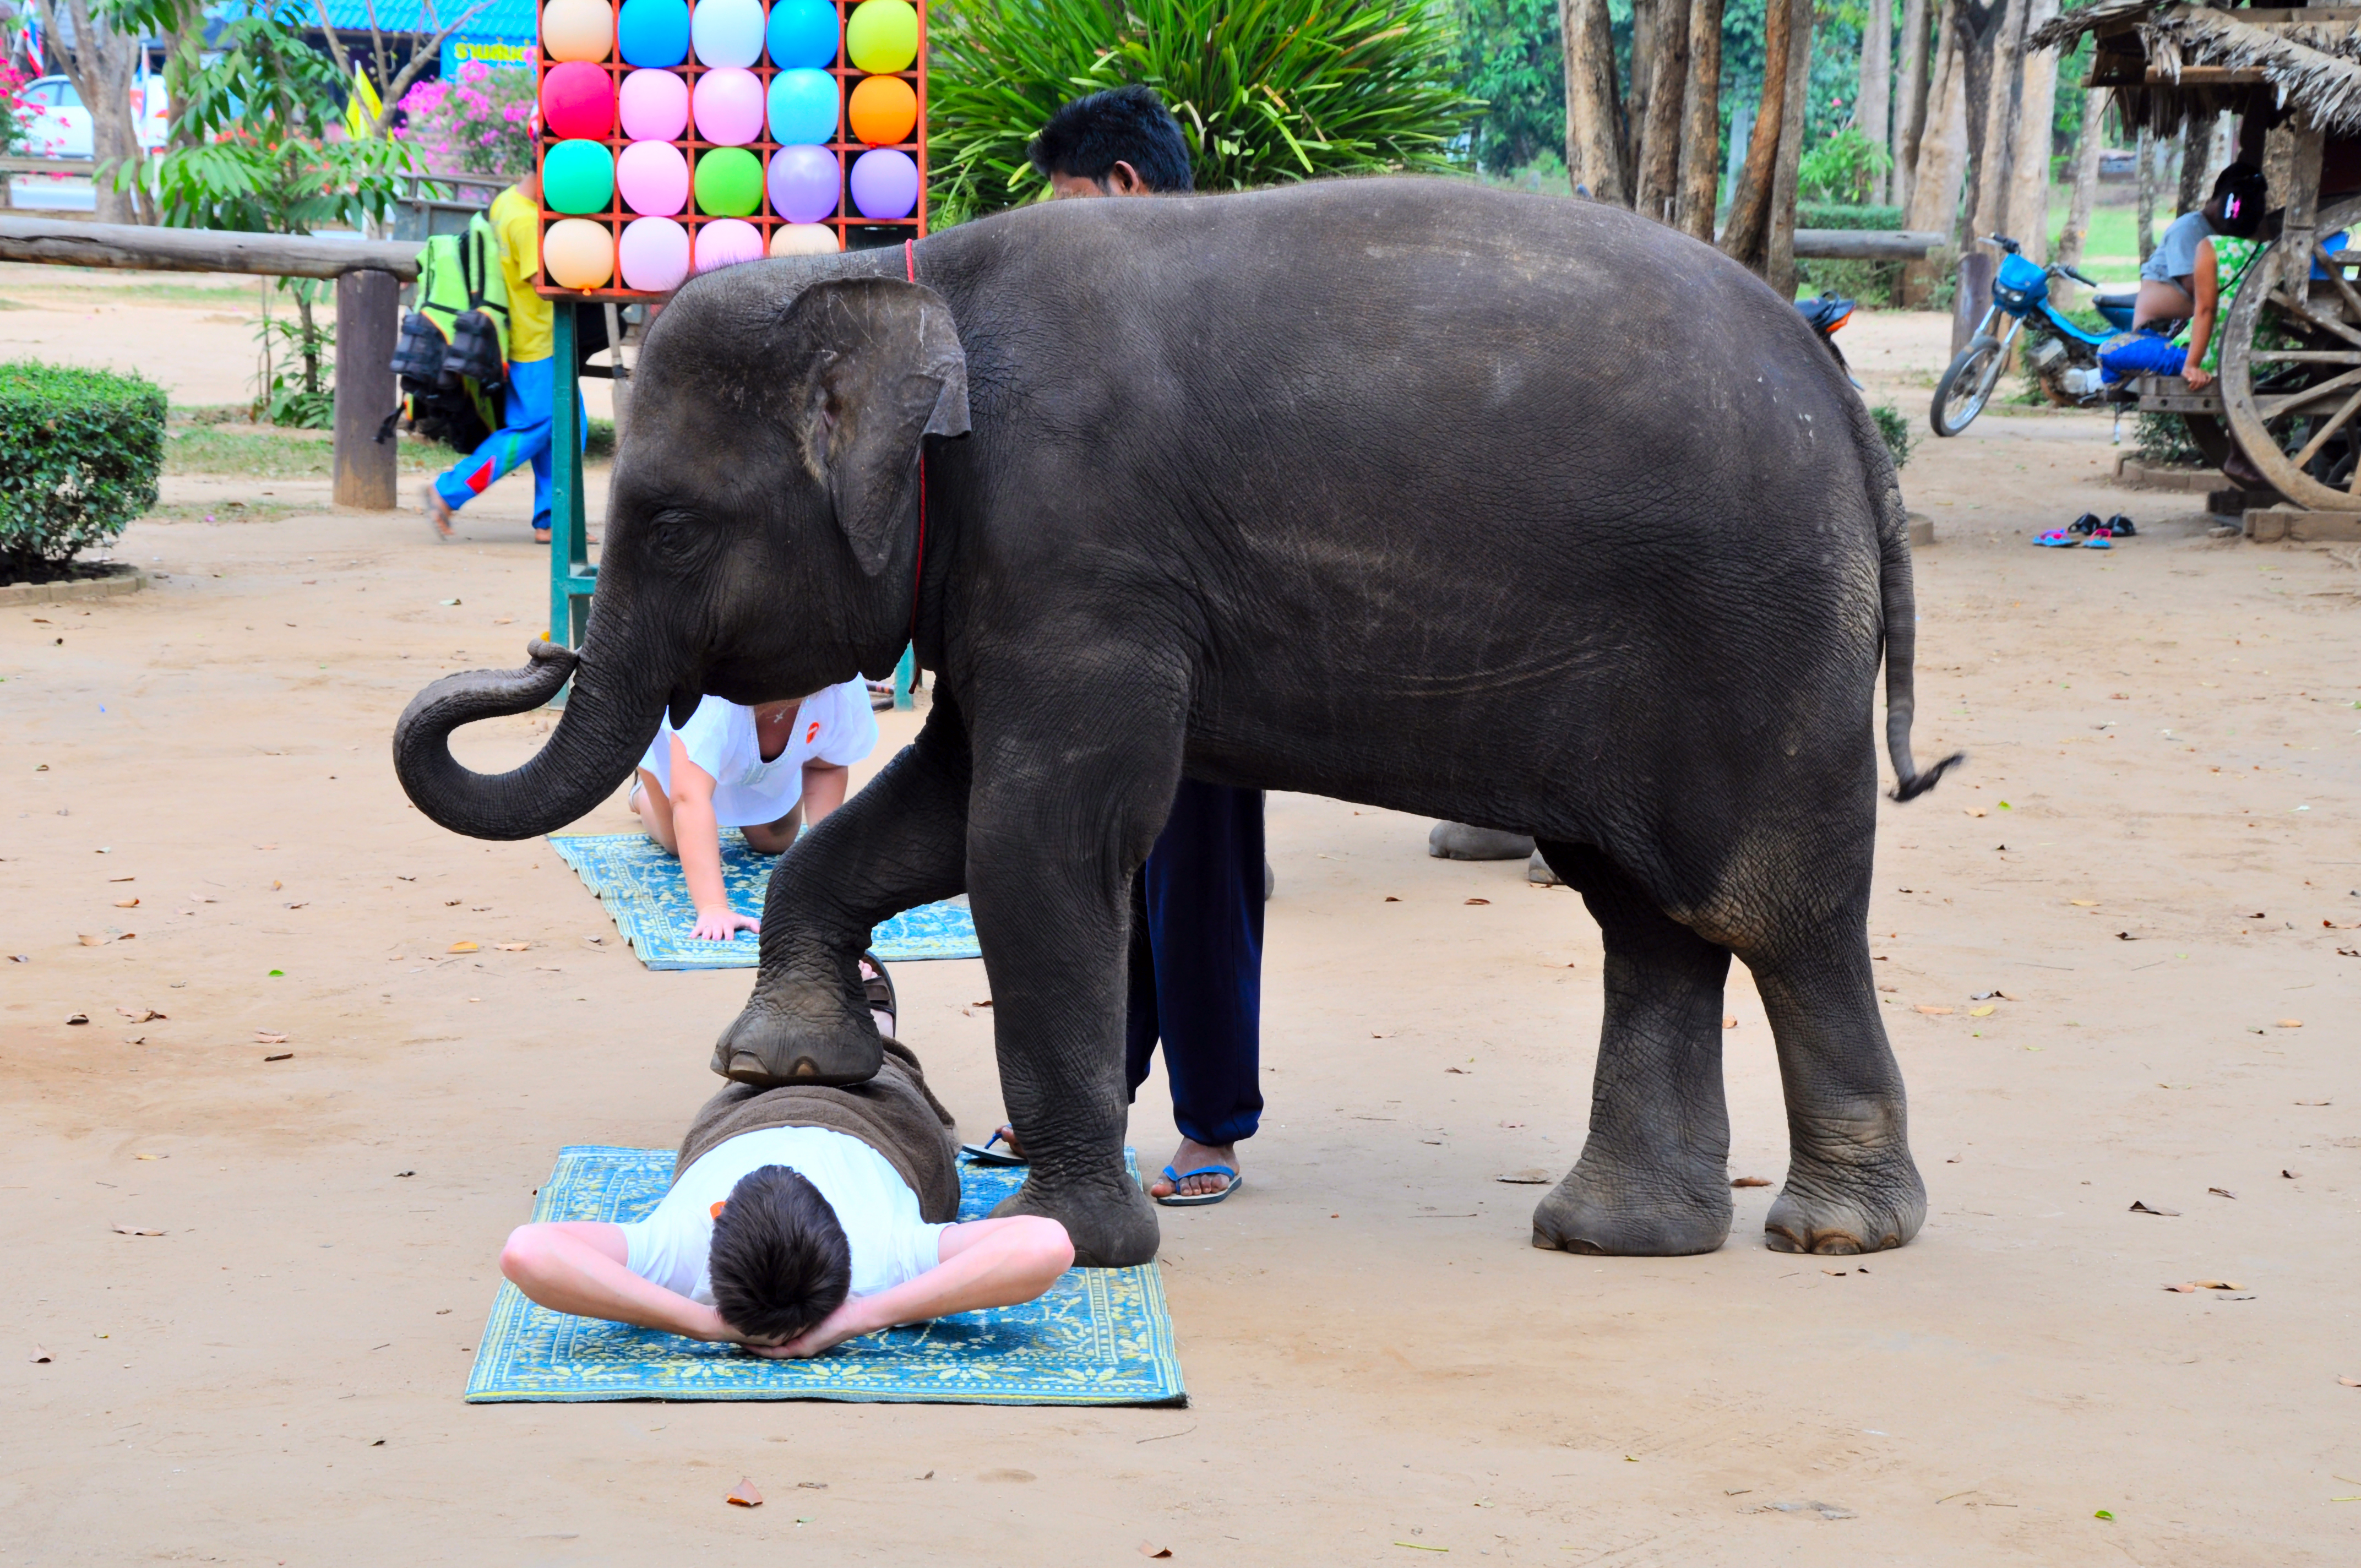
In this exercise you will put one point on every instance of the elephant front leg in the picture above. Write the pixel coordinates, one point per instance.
(896, 844)
(1653, 1177)
(1050, 889)
(1851, 1184)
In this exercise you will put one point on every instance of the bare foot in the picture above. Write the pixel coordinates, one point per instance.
(541, 536)
(1190, 1155)
(438, 511)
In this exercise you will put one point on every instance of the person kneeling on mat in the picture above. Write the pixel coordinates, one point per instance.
(798, 1218)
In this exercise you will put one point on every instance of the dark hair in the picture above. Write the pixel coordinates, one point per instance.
(2240, 194)
(780, 1262)
(1124, 125)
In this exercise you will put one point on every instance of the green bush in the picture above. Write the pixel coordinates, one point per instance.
(1266, 90)
(79, 451)
(1896, 429)
(1876, 284)
(2163, 440)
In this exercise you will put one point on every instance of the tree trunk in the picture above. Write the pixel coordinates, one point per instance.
(1997, 146)
(1641, 77)
(1657, 172)
(1975, 22)
(100, 64)
(2087, 147)
(1700, 161)
(1870, 108)
(2145, 173)
(1942, 159)
(1594, 116)
(1743, 236)
(1914, 78)
(1779, 246)
(2027, 212)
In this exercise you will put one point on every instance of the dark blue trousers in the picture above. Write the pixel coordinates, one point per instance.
(1196, 961)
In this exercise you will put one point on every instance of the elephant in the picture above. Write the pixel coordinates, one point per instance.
(1519, 511)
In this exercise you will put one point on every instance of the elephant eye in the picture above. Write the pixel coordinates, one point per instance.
(670, 535)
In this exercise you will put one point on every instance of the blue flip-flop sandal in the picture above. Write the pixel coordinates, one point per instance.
(984, 1154)
(1180, 1200)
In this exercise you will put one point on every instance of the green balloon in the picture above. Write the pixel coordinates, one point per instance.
(883, 36)
(729, 182)
(578, 177)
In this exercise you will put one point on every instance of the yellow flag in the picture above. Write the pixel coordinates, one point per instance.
(363, 107)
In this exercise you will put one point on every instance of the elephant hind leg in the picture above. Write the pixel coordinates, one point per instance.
(1653, 1177)
(1851, 1184)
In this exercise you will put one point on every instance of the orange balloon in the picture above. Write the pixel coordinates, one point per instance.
(579, 254)
(883, 111)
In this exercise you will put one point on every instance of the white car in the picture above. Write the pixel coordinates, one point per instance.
(59, 126)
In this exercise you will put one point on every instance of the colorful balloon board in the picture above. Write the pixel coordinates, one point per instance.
(685, 134)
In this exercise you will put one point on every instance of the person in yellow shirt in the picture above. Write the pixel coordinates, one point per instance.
(524, 433)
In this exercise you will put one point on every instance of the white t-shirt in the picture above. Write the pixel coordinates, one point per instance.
(879, 1212)
(834, 725)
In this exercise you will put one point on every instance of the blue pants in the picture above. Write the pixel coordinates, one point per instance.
(2129, 354)
(523, 437)
(1196, 962)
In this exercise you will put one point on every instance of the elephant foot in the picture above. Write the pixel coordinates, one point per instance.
(1111, 1225)
(1539, 872)
(769, 1046)
(1458, 841)
(1611, 1211)
(1851, 1208)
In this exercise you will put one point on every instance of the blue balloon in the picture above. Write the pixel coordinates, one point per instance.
(803, 107)
(803, 34)
(654, 32)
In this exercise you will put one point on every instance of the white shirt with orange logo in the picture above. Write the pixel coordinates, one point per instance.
(835, 724)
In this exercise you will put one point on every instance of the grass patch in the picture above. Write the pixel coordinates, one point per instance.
(156, 293)
(224, 512)
(255, 453)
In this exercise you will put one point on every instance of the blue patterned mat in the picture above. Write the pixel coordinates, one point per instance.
(647, 899)
(1101, 1336)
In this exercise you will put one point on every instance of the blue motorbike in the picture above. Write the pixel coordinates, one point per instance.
(2064, 356)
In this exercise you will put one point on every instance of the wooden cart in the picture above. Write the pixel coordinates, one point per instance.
(2290, 383)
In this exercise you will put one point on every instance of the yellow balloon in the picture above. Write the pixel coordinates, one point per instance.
(577, 29)
(883, 36)
(805, 239)
(579, 254)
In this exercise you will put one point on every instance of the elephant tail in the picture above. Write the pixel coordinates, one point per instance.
(1899, 598)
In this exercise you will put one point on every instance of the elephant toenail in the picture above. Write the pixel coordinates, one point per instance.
(806, 1067)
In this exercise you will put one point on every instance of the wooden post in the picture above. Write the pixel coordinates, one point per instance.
(1977, 266)
(368, 304)
(2296, 236)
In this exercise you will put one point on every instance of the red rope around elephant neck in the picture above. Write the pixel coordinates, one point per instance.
(918, 577)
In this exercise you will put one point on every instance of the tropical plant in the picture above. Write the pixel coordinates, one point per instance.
(477, 124)
(79, 451)
(15, 114)
(1266, 90)
(1513, 56)
(1843, 167)
(295, 362)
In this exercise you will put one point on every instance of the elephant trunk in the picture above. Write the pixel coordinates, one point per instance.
(604, 729)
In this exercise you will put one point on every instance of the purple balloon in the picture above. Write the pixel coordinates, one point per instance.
(803, 184)
(652, 254)
(885, 183)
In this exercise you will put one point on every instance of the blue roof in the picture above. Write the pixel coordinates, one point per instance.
(498, 19)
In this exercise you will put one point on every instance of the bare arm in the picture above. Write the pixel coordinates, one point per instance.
(985, 1263)
(824, 785)
(699, 839)
(2200, 325)
(578, 1267)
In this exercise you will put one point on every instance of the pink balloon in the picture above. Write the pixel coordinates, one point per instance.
(653, 178)
(652, 254)
(729, 106)
(654, 105)
(725, 241)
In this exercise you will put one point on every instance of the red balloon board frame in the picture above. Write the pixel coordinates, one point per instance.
(845, 150)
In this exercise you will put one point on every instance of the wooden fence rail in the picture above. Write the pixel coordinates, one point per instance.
(25, 238)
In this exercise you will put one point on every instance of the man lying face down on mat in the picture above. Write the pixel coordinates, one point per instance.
(798, 1218)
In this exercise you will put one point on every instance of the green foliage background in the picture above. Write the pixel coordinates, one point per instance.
(79, 451)
(1266, 90)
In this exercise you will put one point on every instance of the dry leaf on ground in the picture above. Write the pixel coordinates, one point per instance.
(136, 1230)
(284, 1055)
(2290, 1023)
(463, 947)
(1532, 1176)
(1729, 1021)
(127, 903)
(79, 1019)
(2350, 1382)
(1149, 1549)
(143, 1014)
(265, 1037)
(512, 946)
(744, 1496)
(1479, 901)
(90, 940)
(1931, 1011)
(1986, 1011)
(2084, 903)
(1749, 1181)
(2222, 1192)
(2140, 1207)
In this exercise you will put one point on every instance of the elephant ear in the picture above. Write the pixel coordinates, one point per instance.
(886, 370)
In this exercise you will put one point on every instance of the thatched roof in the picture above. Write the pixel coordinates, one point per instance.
(2310, 66)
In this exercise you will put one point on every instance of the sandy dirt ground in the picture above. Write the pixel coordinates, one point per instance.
(2149, 863)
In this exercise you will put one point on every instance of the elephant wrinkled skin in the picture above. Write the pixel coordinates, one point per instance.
(1523, 513)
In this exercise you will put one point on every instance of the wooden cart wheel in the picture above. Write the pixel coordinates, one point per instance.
(2291, 371)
